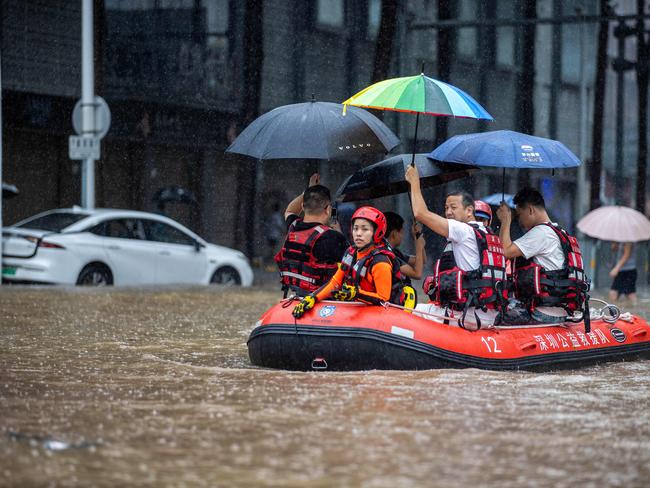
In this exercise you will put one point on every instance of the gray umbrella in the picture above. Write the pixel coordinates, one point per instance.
(314, 130)
(387, 177)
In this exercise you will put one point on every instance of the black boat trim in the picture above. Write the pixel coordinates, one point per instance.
(459, 359)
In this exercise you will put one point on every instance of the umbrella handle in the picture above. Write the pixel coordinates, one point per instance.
(415, 138)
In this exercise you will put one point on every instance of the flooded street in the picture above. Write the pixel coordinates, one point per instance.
(154, 388)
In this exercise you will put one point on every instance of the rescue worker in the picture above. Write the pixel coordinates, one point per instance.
(368, 271)
(410, 266)
(469, 276)
(312, 249)
(548, 271)
(483, 213)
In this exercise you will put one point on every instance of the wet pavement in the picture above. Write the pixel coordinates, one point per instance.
(153, 387)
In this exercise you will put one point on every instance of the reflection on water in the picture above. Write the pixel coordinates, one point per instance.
(154, 387)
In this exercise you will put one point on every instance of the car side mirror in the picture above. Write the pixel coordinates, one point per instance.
(197, 246)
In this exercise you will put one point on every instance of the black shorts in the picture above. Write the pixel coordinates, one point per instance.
(625, 282)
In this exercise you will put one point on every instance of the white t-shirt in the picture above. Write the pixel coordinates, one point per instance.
(543, 245)
(464, 244)
(465, 249)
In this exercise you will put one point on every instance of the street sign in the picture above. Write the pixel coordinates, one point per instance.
(102, 117)
(84, 147)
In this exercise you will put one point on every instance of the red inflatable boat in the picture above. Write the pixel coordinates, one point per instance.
(344, 336)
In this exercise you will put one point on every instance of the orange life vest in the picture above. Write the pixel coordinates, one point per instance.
(357, 270)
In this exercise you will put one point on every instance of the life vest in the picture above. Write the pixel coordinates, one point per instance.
(356, 271)
(484, 287)
(566, 288)
(299, 269)
(399, 258)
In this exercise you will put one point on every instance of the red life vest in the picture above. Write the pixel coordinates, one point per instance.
(357, 270)
(483, 287)
(566, 288)
(299, 269)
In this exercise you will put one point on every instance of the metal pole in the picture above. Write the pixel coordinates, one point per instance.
(87, 101)
(415, 138)
(582, 200)
(556, 71)
(401, 52)
(620, 101)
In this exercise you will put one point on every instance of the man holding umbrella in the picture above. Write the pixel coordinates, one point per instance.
(470, 272)
(312, 249)
(548, 272)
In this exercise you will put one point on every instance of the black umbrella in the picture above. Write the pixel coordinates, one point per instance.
(173, 193)
(9, 191)
(387, 177)
(314, 130)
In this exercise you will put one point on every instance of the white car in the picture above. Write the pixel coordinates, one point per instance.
(115, 247)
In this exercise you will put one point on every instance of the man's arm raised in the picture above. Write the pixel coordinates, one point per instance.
(422, 214)
(295, 205)
(510, 249)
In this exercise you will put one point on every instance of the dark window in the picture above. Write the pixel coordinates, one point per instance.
(161, 232)
(54, 222)
(505, 36)
(374, 18)
(330, 13)
(467, 36)
(98, 230)
(181, 49)
(120, 229)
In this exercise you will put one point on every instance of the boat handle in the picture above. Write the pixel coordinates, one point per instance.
(319, 363)
(528, 346)
(639, 332)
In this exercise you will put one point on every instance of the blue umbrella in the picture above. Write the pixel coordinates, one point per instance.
(505, 149)
(496, 198)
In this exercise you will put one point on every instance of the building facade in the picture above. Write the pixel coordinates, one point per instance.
(172, 74)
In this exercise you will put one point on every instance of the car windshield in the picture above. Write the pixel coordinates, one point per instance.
(54, 222)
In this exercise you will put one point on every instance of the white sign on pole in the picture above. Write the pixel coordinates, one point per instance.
(84, 147)
(102, 117)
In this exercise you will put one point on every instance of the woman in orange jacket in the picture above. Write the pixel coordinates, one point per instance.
(366, 270)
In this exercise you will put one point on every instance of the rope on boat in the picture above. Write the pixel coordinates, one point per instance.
(486, 327)
(433, 316)
(609, 313)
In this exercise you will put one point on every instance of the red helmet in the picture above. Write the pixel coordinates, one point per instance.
(482, 210)
(376, 217)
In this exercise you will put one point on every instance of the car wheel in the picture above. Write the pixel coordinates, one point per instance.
(226, 275)
(95, 275)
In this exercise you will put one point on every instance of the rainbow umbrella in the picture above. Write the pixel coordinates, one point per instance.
(419, 95)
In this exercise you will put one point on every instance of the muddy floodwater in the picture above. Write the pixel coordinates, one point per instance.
(126, 387)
